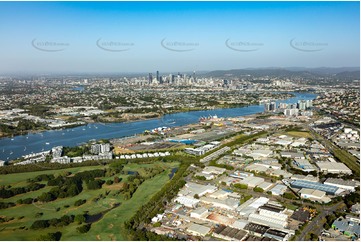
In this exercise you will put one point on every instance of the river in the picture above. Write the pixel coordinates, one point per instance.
(12, 148)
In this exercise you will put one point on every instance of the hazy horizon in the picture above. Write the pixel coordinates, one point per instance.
(142, 37)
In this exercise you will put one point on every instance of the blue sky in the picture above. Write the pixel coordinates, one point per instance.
(194, 35)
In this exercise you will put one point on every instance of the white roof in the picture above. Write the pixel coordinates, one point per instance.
(252, 181)
(239, 224)
(191, 188)
(265, 185)
(283, 142)
(333, 166)
(187, 201)
(213, 170)
(200, 210)
(257, 167)
(229, 203)
(198, 229)
(219, 194)
(279, 189)
(259, 202)
(312, 192)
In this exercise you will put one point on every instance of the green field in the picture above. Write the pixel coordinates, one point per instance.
(20, 178)
(109, 227)
(299, 134)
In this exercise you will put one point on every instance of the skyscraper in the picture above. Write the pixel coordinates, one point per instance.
(150, 78)
(158, 76)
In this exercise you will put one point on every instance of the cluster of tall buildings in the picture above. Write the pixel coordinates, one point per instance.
(171, 78)
(289, 109)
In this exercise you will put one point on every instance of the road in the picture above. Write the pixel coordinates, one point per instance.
(315, 226)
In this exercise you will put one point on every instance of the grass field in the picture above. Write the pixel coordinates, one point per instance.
(110, 227)
(19, 178)
(107, 228)
(299, 134)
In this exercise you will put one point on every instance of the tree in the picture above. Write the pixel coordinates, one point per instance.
(46, 197)
(50, 236)
(196, 196)
(201, 178)
(40, 224)
(289, 195)
(80, 218)
(79, 202)
(95, 184)
(314, 237)
(240, 186)
(83, 229)
(117, 179)
(258, 189)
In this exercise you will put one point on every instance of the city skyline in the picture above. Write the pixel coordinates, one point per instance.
(124, 37)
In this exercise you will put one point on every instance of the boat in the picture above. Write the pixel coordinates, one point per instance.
(25, 148)
(47, 143)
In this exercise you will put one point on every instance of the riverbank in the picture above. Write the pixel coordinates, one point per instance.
(15, 147)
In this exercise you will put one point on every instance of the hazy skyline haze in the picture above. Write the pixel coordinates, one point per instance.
(262, 31)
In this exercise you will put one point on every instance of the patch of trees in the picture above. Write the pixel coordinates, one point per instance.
(201, 178)
(28, 200)
(117, 179)
(19, 190)
(80, 218)
(240, 186)
(95, 184)
(79, 202)
(245, 198)
(151, 172)
(44, 167)
(76, 151)
(50, 237)
(84, 228)
(329, 221)
(4, 205)
(289, 195)
(5, 219)
(42, 177)
(258, 189)
(119, 165)
(24, 125)
(244, 139)
(351, 199)
(228, 167)
(155, 205)
(132, 185)
(54, 222)
(72, 186)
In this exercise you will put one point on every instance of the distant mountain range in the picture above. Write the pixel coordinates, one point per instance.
(340, 72)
